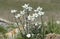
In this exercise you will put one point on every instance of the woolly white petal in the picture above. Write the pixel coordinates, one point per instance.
(13, 11)
(22, 12)
(25, 6)
(40, 13)
(39, 8)
(29, 8)
(28, 35)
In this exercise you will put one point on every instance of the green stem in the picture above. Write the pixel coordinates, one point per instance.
(17, 24)
(42, 28)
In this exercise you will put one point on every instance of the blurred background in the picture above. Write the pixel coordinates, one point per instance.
(50, 7)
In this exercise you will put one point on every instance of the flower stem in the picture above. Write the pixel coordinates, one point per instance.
(42, 27)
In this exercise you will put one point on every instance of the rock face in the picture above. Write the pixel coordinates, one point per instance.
(53, 36)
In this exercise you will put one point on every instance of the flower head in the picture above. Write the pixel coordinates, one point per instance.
(25, 25)
(30, 8)
(31, 18)
(17, 16)
(28, 35)
(36, 24)
(22, 12)
(25, 6)
(35, 11)
(58, 22)
(13, 11)
(39, 9)
(40, 13)
(35, 15)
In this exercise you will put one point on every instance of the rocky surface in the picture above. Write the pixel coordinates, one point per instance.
(53, 36)
(4, 22)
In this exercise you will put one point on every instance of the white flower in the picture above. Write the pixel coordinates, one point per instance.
(36, 24)
(25, 25)
(30, 8)
(39, 8)
(28, 35)
(40, 13)
(32, 18)
(35, 15)
(22, 12)
(58, 22)
(35, 11)
(25, 6)
(17, 16)
(29, 17)
(13, 11)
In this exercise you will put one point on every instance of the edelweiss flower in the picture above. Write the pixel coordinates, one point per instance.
(40, 13)
(35, 15)
(39, 8)
(22, 12)
(25, 6)
(35, 11)
(13, 11)
(25, 25)
(36, 24)
(58, 22)
(29, 17)
(28, 35)
(30, 8)
(17, 16)
(32, 18)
